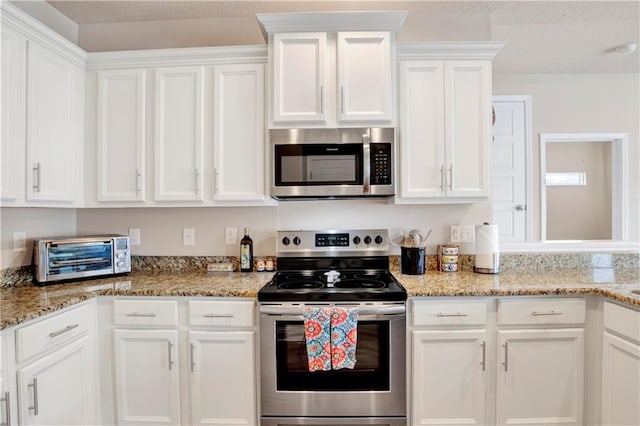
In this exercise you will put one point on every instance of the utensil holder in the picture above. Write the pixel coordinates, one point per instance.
(412, 260)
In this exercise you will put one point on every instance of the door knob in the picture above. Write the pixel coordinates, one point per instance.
(521, 207)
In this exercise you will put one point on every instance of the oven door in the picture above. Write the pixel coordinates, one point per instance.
(76, 260)
(326, 421)
(375, 387)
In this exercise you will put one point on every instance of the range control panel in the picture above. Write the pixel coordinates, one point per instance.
(374, 242)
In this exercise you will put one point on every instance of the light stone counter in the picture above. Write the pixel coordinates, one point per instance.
(24, 302)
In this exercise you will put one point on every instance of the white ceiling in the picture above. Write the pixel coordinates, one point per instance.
(541, 36)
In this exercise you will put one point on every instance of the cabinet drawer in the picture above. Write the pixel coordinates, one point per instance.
(540, 311)
(459, 312)
(221, 313)
(622, 320)
(59, 328)
(161, 313)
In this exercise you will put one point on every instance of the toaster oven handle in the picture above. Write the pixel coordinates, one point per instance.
(298, 310)
(76, 244)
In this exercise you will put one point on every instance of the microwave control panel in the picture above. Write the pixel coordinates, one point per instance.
(380, 164)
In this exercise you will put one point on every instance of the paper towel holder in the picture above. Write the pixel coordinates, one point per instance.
(489, 262)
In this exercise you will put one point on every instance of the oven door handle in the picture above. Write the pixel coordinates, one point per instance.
(365, 311)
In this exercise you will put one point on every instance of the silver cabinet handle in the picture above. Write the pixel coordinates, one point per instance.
(550, 313)
(451, 177)
(215, 180)
(142, 315)
(218, 315)
(321, 99)
(34, 407)
(455, 314)
(197, 179)
(138, 176)
(36, 177)
(169, 348)
(341, 100)
(64, 330)
(7, 409)
(506, 356)
(193, 360)
(441, 178)
(484, 355)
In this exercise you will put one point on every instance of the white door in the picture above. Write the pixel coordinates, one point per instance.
(365, 86)
(421, 129)
(223, 377)
(52, 160)
(299, 87)
(147, 377)
(540, 377)
(121, 135)
(179, 134)
(12, 155)
(238, 136)
(467, 106)
(509, 170)
(61, 388)
(449, 377)
(620, 381)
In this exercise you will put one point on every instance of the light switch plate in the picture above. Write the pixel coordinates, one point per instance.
(134, 235)
(188, 236)
(230, 235)
(468, 234)
(455, 234)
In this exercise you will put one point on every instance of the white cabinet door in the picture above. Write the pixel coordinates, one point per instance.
(299, 77)
(147, 377)
(620, 381)
(421, 144)
(239, 132)
(467, 127)
(121, 135)
(53, 121)
(540, 377)
(365, 70)
(223, 379)
(61, 388)
(179, 132)
(449, 377)
(12, 183)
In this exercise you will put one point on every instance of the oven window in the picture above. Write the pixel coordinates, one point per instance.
(370, 373)
(325, 164)
(73, 258)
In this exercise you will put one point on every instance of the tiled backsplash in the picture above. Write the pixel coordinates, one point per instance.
(508, 261)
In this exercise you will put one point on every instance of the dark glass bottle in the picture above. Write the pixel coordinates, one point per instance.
(246, 252)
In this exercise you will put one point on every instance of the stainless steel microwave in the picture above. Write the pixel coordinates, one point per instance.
(80, 257)
(332, 163)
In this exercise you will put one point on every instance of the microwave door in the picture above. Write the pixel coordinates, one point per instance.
(331, 169)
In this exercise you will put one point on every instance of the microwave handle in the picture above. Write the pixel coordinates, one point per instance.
(366, 162)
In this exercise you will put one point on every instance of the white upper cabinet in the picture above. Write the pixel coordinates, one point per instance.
(299, 77)
(121, 118)
(238, 138)
(179, 134)
(365, 71)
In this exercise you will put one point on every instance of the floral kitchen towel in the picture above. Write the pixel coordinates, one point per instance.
(317, 329)
(344, 336)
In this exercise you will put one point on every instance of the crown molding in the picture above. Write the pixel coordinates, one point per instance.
(24, 24)
(330, 21)
(449, 50)
(173, 57)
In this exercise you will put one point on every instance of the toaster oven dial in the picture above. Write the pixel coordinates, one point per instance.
(120, 256)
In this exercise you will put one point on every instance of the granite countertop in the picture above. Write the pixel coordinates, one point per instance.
(24, 302)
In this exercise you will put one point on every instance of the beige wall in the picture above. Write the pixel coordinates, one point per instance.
(588, 103)
(579, 212)
(36, 223)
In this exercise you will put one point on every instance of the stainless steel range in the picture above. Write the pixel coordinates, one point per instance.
(341, 269)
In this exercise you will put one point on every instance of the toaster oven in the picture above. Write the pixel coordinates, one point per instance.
(80, 257)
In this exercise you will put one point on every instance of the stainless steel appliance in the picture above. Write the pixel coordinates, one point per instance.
(333, 268)
(332, 163)
(68, 258)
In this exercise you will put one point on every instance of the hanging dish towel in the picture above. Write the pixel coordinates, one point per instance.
(344, 336)
(317, 329)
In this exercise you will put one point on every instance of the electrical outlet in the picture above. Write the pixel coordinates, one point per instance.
(455, 234)
(230, 235)
(188, 237)
(134, 235)
(19, 241)
(468, 234)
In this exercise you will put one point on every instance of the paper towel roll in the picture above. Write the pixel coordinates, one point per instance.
(487, 249)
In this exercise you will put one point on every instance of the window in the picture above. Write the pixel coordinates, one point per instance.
(565, 179)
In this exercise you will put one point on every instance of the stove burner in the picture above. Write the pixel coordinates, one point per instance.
(298, 285)
(359, 283)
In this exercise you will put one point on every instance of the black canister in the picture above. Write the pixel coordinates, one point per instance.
(412, 260)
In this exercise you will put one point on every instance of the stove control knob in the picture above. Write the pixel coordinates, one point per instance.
(356, 240)
(296, 241)
(367, 240)
(378, 239)
(286, 241)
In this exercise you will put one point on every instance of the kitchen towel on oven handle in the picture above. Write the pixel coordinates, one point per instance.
(331, 336)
